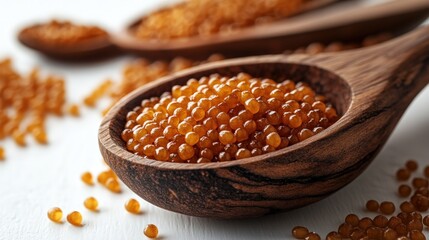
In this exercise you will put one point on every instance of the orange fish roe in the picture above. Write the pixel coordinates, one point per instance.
(61, 33)
(2, 153)
(206, 17)
(239, 113)
(26, 101)
(138, 73)
(408, 224)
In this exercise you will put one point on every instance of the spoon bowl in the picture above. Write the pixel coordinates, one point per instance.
(347, 23)
(370, 88)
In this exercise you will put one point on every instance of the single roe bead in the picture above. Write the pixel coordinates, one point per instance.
(75, 218)
(151, 231)
(132, 206)
(55, 214)
(86, 177)
(91, 203)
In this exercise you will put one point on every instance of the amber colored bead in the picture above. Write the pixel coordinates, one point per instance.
(151, 231)
(273, 139)
(132, 206)
(91, 203)
(365, 223)
(104, 176)
(226, 137)
(357, 234)
(426, 221)
(2, 153)
(412, 165)
(352, 219)
(390, 234)
(403, 174)
(374, 233)
(380, 221)
(192, 138)
(417, 235)
(300, 232)
(333, 236)
(387, 208)
(345, 230)
(86, 177)
(75, 218)
(40, 135)
(113, 185)
(420, 182)
(404, 190)
(372, 206)
(55, 214)
(393, 222)
(415, 224)
(19, 138)
(401, 229)
(407, 207)
(74, 110)
(243, 153)
(313, 236)
(186, 151)
(161, 154)
(304, 134)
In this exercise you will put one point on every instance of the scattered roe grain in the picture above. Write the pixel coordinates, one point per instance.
(408, 224)
(238, 114)
(91, 203)
(26, 101)
(61, 33)
(55, 214)
(132, 206)
(75, 218)
(2, 153)
(151, 231)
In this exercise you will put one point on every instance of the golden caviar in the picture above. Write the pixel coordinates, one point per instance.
(2, 153)
(26, 100)
(74, 110)
(55, 214)
(132, 206)
(113, 185)
(91, 203)
(233, 117)
(86, 177)
(151, 231)
(75, 218)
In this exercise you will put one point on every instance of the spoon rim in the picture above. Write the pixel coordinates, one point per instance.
(106, 134)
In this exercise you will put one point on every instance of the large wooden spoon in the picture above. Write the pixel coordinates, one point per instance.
(347, 23)
(371, 89)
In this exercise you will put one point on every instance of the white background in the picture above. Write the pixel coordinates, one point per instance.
(36, 178)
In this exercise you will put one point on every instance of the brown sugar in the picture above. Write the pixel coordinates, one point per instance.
(221, 114)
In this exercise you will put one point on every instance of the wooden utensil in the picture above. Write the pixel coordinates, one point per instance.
(86, 49)
(371, 88)
(348, 24)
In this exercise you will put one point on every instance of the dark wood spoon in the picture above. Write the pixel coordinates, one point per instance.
(371, 88)
(349, 24)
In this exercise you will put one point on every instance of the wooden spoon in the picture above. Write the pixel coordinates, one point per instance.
(370, 88)
(90, 48)
(346, 24)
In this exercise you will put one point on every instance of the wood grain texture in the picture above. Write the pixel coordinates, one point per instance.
(371, 88)
(273, 38)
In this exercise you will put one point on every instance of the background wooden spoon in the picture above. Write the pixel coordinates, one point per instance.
(335, 23)
(346, 23)
(370, 88)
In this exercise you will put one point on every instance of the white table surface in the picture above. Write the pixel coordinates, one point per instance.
(36, 178)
